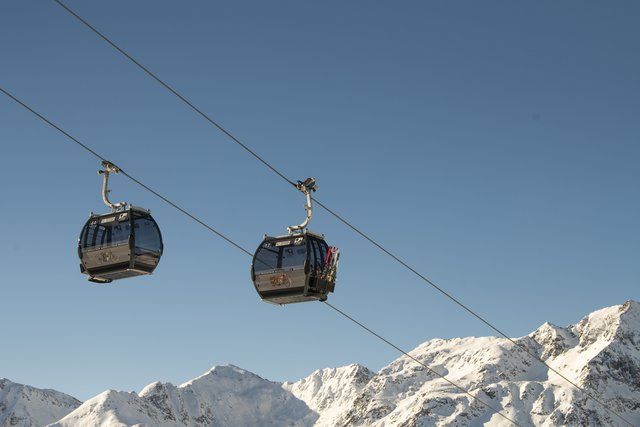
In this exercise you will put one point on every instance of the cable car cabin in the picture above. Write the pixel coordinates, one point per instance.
(120, 244)
(294, 268)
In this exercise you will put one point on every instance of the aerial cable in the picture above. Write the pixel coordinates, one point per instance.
(155, 193)
(381, 338)
(176, 93)
(59, 129)
(218, 126)
(281, 175)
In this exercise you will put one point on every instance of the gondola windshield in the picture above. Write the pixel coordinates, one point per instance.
(105, 232)
(280, 255)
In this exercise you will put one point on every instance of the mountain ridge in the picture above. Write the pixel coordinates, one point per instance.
(600, 353)
(26, 406)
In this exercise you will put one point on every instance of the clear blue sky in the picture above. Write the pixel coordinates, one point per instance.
(492, 145)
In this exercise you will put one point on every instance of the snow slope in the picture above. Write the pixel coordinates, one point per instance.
(25, 406)
(329, 391)
(225, 396)
(601, 354)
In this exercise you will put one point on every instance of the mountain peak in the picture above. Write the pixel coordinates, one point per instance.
(327, 391)
(554, 340)
(606, 324)
(224, 396)
(600, 353)
(230, 371)
(225, 377)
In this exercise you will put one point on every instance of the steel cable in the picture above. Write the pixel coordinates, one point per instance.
(281, 175)
(228, 240)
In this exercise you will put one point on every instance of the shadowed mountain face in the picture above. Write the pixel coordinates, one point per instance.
(224, 396)
(25, 406)
(601, 354)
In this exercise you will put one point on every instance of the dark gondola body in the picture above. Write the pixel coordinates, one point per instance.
(119, 244)
(293, 268)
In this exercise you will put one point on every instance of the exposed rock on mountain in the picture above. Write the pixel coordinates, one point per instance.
(26, 406)
(601, 354)
(225, 396)
(486, 375)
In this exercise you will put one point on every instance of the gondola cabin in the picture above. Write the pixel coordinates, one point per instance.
(119, 244)
(294, 268)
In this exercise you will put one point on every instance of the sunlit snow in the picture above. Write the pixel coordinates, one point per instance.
(601, 354)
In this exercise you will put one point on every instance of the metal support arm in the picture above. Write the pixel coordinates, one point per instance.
(306, 187)
(108, 168)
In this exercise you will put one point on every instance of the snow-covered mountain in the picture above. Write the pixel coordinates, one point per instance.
(601, 354)
(25, 406)
(225, 396)
(329, 391)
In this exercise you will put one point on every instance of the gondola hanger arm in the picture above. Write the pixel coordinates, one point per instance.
(305, 187)
(108, 168)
